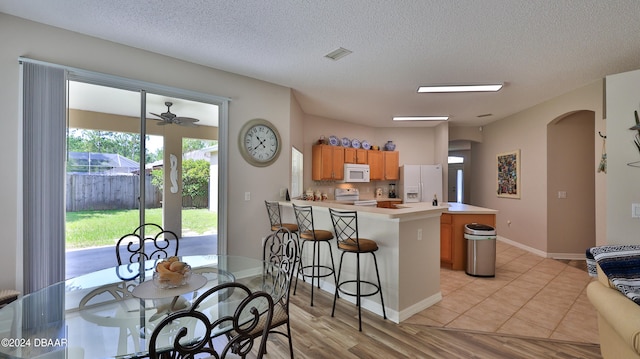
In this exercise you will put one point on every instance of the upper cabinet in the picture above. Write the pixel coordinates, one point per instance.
(384, 165)
(376, 166)
(352, 155)
(328, 163)
(391, 165)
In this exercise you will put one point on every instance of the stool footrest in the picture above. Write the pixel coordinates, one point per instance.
(362, 294)
(329, 271)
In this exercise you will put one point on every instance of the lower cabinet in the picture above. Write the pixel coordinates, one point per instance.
(389, 203)
(453, 246)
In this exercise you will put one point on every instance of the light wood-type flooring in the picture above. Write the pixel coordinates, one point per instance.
(432, 334)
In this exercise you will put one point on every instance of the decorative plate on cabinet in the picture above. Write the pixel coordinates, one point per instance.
(366, 145)
(355, 143)
(346, 142)
(333, 141)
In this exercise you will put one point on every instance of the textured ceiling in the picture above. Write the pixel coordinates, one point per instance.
(539, 49)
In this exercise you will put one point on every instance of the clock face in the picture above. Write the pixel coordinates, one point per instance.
(259, 142)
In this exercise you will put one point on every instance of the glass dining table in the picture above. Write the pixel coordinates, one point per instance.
(111, 313)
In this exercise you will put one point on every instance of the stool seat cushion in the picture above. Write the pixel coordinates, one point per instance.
(320, 235)
(366, 245)
(292, 227)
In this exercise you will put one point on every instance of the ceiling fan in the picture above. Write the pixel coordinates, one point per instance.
(168, 118)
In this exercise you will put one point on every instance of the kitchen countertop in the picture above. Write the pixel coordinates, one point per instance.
(422, 209)
(402, 209)
(462, 208)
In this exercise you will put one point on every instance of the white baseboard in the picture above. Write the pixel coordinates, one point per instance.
(418, 307)
(570, 256)
(375, 307)
(522, 246)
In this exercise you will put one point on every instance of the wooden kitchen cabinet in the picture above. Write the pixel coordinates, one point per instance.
(391, 165)
(384, 165)
(353, 155)
(327, 163)
(376, 165)
(453, 246)
(446, 240)
(391, 203)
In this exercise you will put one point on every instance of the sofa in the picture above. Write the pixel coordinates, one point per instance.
(618, 319)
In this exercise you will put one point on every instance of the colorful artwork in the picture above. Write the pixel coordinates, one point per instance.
(509, 174)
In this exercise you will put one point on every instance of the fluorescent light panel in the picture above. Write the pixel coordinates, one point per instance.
(421, 118)
(460, 88)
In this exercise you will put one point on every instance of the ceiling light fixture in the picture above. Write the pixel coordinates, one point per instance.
(460, 88)
(338, 54)
(420, 118)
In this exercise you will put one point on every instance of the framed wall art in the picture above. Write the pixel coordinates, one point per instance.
(508, 165)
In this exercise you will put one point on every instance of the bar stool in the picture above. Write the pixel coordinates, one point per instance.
(308, 233)
(273, 210)
(275, 220)
(345, 224)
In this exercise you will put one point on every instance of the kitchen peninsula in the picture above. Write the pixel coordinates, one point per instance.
(408, 256)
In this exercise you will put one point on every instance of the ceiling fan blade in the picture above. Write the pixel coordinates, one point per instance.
(163, 122)
(186, 119)
(162, 117)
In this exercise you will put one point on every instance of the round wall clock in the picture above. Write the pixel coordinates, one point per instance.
(259, 142)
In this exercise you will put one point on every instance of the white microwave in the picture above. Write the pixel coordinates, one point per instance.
(356, 173)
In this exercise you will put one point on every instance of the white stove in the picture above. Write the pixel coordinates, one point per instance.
(352, 196)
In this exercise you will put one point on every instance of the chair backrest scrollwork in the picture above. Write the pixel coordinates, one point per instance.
(191, 332)
(281, 252)
(149, 241)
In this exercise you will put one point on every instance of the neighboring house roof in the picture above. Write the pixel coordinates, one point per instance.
(206, 153)
(101, 162)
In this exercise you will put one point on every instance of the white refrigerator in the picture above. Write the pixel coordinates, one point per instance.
(419, 183)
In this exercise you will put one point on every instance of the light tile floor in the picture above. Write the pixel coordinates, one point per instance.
(530, 296)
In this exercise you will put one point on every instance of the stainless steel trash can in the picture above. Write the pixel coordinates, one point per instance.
(481, 250)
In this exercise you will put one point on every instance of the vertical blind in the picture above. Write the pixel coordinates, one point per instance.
(44, 139)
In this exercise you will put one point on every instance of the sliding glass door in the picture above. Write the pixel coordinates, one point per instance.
(123, 171)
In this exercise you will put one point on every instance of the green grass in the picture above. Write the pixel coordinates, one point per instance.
(102, 228)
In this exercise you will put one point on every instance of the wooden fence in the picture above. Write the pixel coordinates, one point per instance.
(104, 192)
(87, 192)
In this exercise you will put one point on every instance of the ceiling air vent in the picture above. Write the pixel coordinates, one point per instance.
(338, 54)
(485, 115)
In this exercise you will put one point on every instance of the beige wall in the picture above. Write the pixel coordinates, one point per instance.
(623, 181)
(466, 133)
(527, 131)
(250, 99)
(570, 220)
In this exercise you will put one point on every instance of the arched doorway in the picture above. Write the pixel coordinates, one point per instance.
(571, 225)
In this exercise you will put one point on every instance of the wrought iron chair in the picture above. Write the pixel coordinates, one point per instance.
(250, 320)
(345, 225)
(281, 250)
(308, 233)
(275, 220)
(156, 242)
